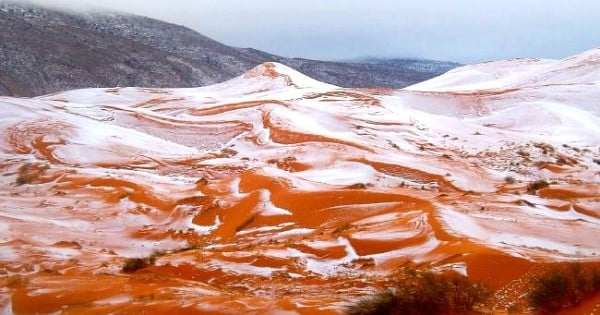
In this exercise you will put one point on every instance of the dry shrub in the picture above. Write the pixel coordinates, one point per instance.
(424, 293)
(535, 186)
(134, 264)
(564, 286)
(30, 172)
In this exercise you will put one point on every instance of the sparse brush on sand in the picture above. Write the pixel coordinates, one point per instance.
(564, 286)
(423, 292)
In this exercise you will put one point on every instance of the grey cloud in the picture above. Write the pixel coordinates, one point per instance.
(461, 30)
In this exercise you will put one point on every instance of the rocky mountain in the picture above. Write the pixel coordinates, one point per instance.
(44, 51)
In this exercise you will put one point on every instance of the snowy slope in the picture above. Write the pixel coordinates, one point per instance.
(272, 180)
(583, 68)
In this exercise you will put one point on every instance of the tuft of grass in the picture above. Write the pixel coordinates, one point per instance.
(358, 186)
(135, 264)
(23, 179)
(340, 229)
(380, 303)
(537, 185)
(562, 287)
(186, 248)
(25, 174)
(424, 293)
(509, 180)
(30, 172)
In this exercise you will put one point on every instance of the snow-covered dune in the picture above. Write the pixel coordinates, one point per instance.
(583, 68)
(272, 190)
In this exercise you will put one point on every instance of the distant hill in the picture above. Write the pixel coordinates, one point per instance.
(44, 51)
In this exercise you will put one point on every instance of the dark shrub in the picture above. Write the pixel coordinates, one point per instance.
(424, 293)
(23, 179)
(533, 187)
(28, 172)
(379, 304)
(134, 264)
(563, 286)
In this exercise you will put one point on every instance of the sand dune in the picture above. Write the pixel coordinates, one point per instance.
(273, 191)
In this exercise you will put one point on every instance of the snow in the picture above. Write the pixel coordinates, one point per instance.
(298, 78)
(117, 299)
(95, 134)
(266, 79)
(267, 208)
(579, 69)
(294, 232)
(381, 218)
(499, 235)
(327, 267)
(202, 229)
(265, 229)
(483, 76)
(340, 173)
(390, 234)
(564, 123)
(8, 254)
(417, 253)
(310, 122)
(462, 129)
(243, 268)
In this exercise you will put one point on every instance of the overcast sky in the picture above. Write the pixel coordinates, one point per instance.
(458, 30)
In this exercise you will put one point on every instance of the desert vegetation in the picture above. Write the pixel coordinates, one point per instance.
(509, 180)
(537, 185)
(29, 172)
(424, 292)
(563, 286)
(135, 264)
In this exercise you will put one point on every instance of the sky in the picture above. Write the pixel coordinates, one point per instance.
(466, 31)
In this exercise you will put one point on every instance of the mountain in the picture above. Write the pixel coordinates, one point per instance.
(273, 192)
(44, 51)
(422, 65)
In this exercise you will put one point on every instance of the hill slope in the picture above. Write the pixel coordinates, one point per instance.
(44, 51)
(580, 69)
